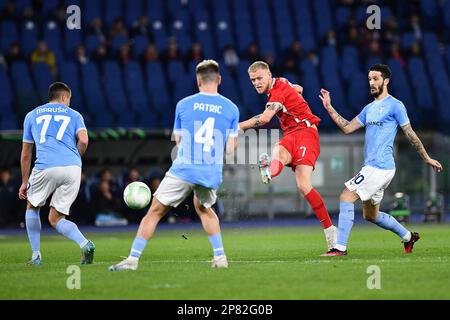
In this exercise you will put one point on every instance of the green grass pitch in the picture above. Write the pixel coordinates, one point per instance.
(280, 263)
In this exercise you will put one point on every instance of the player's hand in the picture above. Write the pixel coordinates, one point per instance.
(23, 192)
(434, 164)
(326, 98)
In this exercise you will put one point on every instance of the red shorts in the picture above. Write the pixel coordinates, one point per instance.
(303, 145)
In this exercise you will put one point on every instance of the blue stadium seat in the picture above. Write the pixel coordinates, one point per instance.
(72, 39)
(421, 83)
(264, 27)
(25, 91)
(140, 44)
(349, 61)
(22, 4)
(9, 122)
(323, 17)
(133, 11)
(91, 10)
(304, 24)
(342, 16)
(113, 9)
(203, 32)
(48, 6)
(69, 75)
(175, 70)
(157, 87)
(29, 37)
(243, 23)
(6, 102)
(95, 98)
(358, 93)
(52, 36)
(114, 87)
(117, 42)
(91, 44)
(408, 39)
(43, 78)
(135, 88)
(400, 88)
(9, 33)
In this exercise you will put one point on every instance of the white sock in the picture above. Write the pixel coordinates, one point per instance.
(35, 255)
(407, 237)
(341, 247)
(133, 259)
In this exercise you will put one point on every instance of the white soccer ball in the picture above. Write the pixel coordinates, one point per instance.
(137, 195)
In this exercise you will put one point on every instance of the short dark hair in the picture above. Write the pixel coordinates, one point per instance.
(386, 72)
(57, 89)
(208, 70)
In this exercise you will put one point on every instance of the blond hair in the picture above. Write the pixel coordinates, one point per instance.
(208, 70)
(258, 65)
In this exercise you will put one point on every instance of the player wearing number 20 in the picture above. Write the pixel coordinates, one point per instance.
(61, 139)
(381, 118)
(204, 124)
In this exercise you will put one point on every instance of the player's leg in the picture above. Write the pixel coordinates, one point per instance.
(171, 192)
(373, 214)
(33, 225)
(303, 175)
(70, 230)
(39, 188)
(204, 199)
(345, 223)
(271, 168)
(68, 179)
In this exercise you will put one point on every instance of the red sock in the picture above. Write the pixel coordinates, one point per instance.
(275, 168)
(316, 202)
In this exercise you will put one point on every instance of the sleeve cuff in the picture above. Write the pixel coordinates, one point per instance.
(360, 122)
(28, 141)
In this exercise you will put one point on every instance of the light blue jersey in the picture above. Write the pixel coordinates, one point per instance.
(204, 122)
(53, 128)
(381, 119)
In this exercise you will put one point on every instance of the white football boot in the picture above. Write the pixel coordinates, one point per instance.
(331, 234)
(220, 262)
(129, 263)
(264, 168)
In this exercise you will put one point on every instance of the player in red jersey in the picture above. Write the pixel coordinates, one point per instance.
(300, 146)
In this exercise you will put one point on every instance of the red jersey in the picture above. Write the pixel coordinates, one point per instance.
(295, 108)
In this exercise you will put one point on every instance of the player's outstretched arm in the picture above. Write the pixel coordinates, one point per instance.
(346, 126)
(418, 145)
(263, 118)
(25, 166)
(83, 141)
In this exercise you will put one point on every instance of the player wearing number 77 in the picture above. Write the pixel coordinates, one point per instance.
(61, 139)
(300, 146)
(381, 119)
(205, 123)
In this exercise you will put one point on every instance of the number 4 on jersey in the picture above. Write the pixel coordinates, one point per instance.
(204, 135)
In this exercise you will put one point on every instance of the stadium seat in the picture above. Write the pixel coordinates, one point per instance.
(69, 75)
(113, 9)
(72, 39)
(6, 92)
(133, 11)
(25, 91)
(91, 10)
(29, 37)
(43, 78)
(323, 17)
(115, 89)
(48, 6)
(9, 34)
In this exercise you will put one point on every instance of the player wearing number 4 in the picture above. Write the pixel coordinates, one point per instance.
(61, 139)
(300, 146)
(381, 119)
(205, 123)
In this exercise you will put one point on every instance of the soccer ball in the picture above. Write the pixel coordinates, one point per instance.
(137, 195)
